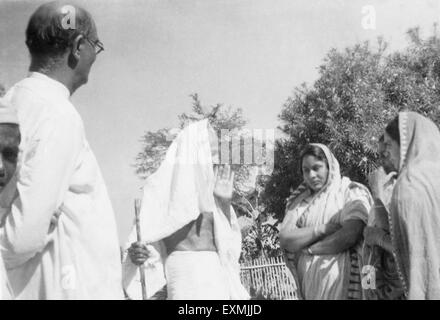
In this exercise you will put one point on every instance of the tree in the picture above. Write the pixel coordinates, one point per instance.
(359, 90)
(259, 230)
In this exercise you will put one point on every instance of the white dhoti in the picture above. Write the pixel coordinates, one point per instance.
(195, 275)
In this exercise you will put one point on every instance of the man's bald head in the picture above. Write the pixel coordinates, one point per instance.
(48, 37)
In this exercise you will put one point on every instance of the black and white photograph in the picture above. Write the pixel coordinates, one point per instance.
(219, 150)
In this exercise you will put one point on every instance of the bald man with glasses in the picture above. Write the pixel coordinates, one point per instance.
(80, 258)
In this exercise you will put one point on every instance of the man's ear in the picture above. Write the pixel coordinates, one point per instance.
(75, 51)
(77, 46)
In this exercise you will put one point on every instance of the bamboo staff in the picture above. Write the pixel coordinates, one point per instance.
(137, 209)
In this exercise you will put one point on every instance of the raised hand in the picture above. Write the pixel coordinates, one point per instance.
(377, 180)
(224, 183)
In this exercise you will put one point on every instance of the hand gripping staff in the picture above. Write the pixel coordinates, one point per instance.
(137, 209)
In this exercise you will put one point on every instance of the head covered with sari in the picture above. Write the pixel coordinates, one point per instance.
(331, 198)
(339, 200)
(415, 207)
(174, 196)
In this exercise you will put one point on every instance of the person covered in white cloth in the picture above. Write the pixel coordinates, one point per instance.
(191, 237)
(80, 259)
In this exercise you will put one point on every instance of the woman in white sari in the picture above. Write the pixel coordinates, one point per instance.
(413, 144)
(322, 228)
(192, 240)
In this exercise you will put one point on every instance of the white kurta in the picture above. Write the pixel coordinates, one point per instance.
(80, 259)
(5, 291)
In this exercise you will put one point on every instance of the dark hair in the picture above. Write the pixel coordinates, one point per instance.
(10, 130)
(47, 39)
(382, 138)
(392, 130)
(315, 151)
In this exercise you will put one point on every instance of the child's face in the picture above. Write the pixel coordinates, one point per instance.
(9, 146)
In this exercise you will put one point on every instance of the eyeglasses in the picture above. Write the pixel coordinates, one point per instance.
(97, 45)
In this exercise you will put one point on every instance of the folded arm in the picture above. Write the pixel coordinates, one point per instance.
(341, 240)
(301, 238)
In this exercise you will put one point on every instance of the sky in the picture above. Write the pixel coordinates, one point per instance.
(244, 53)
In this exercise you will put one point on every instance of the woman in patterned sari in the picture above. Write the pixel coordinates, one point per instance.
(379, 264)
(322, 228)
